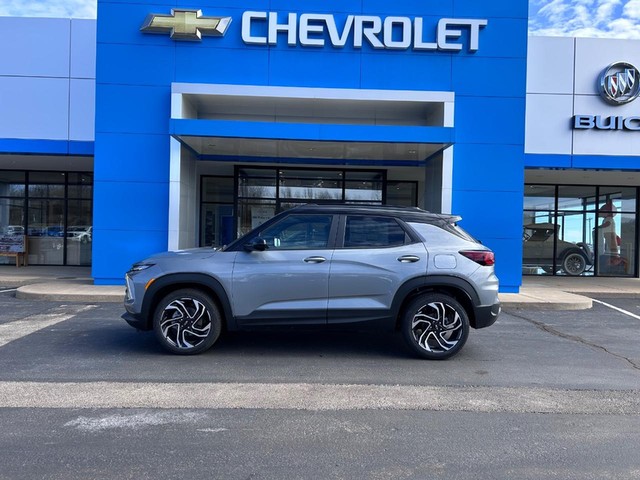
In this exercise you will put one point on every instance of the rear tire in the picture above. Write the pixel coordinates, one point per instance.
(187, 322)
(435, 326)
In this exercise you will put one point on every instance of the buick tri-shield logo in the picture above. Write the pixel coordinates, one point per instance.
(619, 83)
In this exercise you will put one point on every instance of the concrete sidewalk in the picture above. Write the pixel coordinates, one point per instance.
(74, 284)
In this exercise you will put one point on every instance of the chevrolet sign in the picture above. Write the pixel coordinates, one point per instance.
(309, 30)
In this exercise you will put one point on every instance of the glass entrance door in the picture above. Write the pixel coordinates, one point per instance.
(232, 206)
(263, 192)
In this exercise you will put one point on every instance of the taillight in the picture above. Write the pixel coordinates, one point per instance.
(483, 257)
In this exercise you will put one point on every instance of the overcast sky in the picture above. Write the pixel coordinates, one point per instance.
(583, 18)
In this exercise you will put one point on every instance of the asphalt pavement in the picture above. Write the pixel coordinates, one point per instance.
(540, 395)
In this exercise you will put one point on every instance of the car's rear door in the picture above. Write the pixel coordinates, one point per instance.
(377, 254)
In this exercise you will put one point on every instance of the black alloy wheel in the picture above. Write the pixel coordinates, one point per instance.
(187, 322)
(435, 326)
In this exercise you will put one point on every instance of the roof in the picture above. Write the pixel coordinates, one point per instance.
(408, 214)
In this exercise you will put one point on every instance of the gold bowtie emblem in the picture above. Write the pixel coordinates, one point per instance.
(186, 24)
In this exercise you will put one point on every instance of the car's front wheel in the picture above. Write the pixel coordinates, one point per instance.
(574, 263)
(435, 326)
(187, 322)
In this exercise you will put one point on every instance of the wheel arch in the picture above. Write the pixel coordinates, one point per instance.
(166, 284)
(457, 288)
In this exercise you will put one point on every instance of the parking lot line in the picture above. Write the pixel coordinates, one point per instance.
(613, 307)
(26, 326)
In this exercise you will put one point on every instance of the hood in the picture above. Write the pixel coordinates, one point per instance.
(203, 252)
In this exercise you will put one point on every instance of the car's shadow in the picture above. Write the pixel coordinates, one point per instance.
(304, 343)
(290, 343)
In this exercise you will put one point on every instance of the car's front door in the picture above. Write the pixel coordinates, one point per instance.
(288, 281)
(375, 258)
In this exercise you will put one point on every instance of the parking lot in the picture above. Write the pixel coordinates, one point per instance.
(541, 394)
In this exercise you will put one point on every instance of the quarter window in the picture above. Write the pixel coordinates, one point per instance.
(368, 231)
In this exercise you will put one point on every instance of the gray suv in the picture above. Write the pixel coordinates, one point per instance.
(317, 265)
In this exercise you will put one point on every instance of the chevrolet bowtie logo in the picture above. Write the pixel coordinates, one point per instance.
(186, 24)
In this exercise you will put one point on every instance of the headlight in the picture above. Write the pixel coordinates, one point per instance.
(138, 267)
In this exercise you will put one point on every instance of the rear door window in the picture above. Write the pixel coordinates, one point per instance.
(373, 232)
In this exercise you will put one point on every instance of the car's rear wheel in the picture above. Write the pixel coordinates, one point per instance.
(574, 263)
(187, 322)
(435, 326)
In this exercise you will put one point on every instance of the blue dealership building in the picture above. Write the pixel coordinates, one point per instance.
(171, 124)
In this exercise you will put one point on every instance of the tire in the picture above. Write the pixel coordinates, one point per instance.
(435, 326)
(187, 322)
(574, 264)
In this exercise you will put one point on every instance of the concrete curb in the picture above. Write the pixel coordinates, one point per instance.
(545, 299)
(71, 292)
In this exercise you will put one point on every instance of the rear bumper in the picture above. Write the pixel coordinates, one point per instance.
(486, 316)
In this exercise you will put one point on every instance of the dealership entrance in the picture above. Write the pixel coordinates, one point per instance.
(241, 154)
(231, 206)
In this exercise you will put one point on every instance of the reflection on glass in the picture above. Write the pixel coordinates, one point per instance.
(79, 232)
(12, 183)
(45, 227)
(298, 232)
(593, 231)
(59, 229)
(560, 246)
(253, 213)
(539, 197)
(368, 232)
(11, 216)
(256, 183)
(311, 185)
(576, 198)
(616, 241)
(217, 189)
(623, 198)
(80, 185)
(402, 193)
(216, 225)
(46, 184)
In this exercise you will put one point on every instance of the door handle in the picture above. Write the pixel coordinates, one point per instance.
(408, 259)
(315, 259)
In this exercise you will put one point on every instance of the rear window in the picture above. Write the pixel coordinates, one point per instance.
(460, 232)
(443, 233)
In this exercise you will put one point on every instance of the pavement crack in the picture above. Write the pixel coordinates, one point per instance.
(574, 338)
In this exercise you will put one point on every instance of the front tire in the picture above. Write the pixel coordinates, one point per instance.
(187, 322)
(574, 264)
(435, 326)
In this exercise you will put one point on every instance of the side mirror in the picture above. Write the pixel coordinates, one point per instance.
(258, 244)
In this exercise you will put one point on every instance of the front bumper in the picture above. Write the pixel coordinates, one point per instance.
(486, 316)
(136, 321)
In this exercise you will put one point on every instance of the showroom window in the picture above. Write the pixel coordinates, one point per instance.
(232, 206)
(580, 230)
(54, 210)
